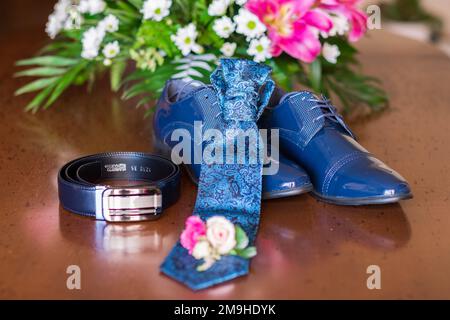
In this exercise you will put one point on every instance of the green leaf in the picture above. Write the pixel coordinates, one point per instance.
(210, 38)
(117, 70)
(53, 61)
(36, 102)
(144, 101)
(137, 3)
(247, 253)
(124, 15)
(62, 48)
(125, 6)
(315, 75)
(64, 82)
(41, 72)
(146, 82)
(36, 85)
(354, 89)
(241, 238)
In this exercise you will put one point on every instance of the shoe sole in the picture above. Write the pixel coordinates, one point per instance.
(165, 151)
(361, 201)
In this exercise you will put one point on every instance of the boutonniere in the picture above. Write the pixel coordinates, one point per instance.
(213, 239)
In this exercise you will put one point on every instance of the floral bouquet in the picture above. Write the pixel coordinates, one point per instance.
(217, 237)
(144, 43)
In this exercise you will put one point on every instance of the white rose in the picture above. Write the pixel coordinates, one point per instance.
(201, 250)
(221, 234)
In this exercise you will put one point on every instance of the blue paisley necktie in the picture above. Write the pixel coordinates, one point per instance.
(232, 190)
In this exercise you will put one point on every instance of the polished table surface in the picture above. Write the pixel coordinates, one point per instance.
(307, 249)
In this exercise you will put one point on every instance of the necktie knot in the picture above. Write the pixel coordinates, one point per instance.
(244, 88)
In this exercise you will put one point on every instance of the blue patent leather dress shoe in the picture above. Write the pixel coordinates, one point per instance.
(182, 105)
(314, 135)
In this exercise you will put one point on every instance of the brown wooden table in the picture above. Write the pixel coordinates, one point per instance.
(307, 249)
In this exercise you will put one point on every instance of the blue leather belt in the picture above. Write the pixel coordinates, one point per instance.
(80, 189)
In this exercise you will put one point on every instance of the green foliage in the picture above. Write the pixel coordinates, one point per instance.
(49, 61)
(242, 249)
(148, 46)
(210, 38)
(200, 12)
(315, 75)
(147, 59)
(117, 71)
(57, 73)
(40, 72)
(285, 70)
(156, 35)
(354, 89)
(147, 84)
(351, 87)
(36, 85)
(241, 238)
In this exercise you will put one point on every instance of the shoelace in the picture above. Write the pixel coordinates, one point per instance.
(330, 112)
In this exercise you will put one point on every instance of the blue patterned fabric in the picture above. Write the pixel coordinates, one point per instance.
(231, 190)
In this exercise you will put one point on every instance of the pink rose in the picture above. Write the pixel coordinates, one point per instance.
(195, 228)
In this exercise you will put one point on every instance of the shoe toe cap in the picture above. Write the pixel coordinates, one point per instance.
(287, 179)
(369, 178)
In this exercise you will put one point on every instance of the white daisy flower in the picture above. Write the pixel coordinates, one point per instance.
(330, 52)
(260, 49)
(110, 23)
(53, 26)
(57, 19)
(91, 41)
(218, 7)
(185, 40)
(340, 26)
(228, 49)
(74, 19)
(83, 6)
(61, 8)
(91, 6)
(156, 9)
(97, 6)
(111, 49)
(107, 62)
(248, 24)
(224, 27)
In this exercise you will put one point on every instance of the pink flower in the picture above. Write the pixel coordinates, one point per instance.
(293, 26)
(356, 17)
(194, 229)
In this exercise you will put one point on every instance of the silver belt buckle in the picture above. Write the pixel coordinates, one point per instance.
(128, 204)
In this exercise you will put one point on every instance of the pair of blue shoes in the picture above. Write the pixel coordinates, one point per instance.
(318, 152)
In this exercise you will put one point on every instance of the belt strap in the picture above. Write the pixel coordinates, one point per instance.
(80, 189)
